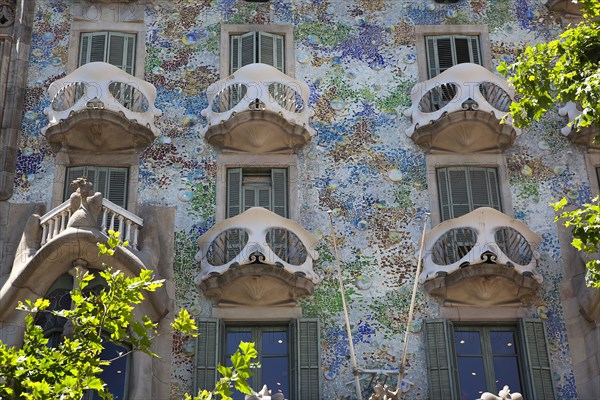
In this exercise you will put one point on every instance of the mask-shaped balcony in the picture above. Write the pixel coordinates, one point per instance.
(258, 109)
(460, 111)
(568, 9)
(101, 108)
(483, 258)
(257, 258)
(584, 136)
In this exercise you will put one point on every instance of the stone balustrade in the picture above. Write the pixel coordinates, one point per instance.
(102, 86)
(463, 87)
(112, 217)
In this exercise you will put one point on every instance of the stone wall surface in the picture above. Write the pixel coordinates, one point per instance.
(359, 59)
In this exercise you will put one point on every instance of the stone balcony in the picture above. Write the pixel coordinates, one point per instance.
(584, 136)
(460, 111)
(257, 258)
(66, 237)
(484, 258)
(569, 9)
(258, 109)
(101, 108)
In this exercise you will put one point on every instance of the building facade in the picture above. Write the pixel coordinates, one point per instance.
(244, 147)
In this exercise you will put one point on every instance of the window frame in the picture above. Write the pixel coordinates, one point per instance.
(433, 161)
(442, 366)
(108, 169)
(76, 159)
(228, 30)
(266, 161)
(108, 18)
(305, 374)
(487, 354)
(421, 31)
(107, 46)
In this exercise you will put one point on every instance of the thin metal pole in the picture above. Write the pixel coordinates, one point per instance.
(339, 271)
(412, 304)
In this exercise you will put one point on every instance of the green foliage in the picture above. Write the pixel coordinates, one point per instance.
(563, 70)
(586, 233)
(39, 371)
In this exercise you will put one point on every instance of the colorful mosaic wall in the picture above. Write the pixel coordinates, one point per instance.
(358, 57)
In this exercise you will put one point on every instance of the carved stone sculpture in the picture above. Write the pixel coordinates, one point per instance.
(85, 206)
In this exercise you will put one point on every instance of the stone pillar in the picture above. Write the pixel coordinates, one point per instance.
(15, 42)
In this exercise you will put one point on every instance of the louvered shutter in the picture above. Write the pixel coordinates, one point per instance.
(459, 194)
(444, 52)
(116, 190)
(479, 188)
(431, 57)
(234, 192)
(475, 52)
(279, 185)
(539, 375)
(305, 359)
(444, 56)
(248, 49)
(462, 49)
(234, 53)
(442, 371)
(207, 353)
(116, 50)
(271, 50)
(250, 195)
(442, 180)
(92, 47)
(84, 44)
(264, 198)
(492, 175)
(72, 174)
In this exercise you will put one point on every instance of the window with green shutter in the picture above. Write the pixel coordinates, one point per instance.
(465, 361)
(463, 189)
(446, 51)
(116, 48)
(110, 181)
(257, 187)
(257, 47)
(288, 355)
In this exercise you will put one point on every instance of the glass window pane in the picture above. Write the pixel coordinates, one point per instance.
(274, 343)
(507, 373)
(503, 342)
(467, 342)
(115, 374)
(275, 375)
(234, 338)
(472, 377)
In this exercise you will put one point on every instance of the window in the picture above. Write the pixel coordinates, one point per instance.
(463, 189)
(439, 47)
(290, 361)
(257, 187)
(272, 344)
(243, 44)
(110, 181)
(114, 375)
(116, 48)
(257, 47)
(465, 361)
(446, 51)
